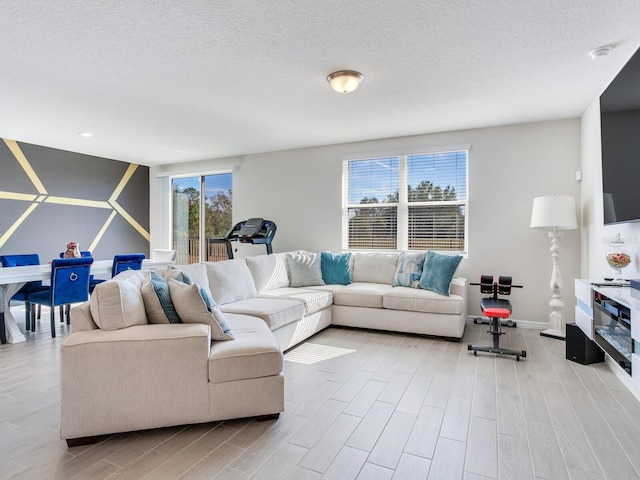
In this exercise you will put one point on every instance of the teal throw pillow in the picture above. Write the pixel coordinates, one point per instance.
(438, 271)
(335, 268)
(409, 270)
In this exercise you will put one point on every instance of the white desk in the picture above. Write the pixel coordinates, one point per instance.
(13, 278)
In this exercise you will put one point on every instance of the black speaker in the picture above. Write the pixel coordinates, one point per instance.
(580, 348)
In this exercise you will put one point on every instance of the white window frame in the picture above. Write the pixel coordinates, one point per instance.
(403, 203)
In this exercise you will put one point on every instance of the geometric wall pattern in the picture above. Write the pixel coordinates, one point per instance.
(49, 197)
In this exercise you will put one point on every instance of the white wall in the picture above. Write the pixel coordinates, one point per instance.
(301, 191)
(595, 235)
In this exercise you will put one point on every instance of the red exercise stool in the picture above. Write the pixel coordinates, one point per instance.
(497, 309)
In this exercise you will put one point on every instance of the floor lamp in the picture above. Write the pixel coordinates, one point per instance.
(554, 213)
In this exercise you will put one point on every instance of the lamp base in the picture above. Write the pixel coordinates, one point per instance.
(553, 333)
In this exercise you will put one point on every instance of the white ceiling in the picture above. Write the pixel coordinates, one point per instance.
(164, 81)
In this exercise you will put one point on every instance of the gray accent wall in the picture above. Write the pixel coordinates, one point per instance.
(50, 197)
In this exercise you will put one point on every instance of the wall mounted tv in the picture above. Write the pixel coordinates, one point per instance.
(620, 135)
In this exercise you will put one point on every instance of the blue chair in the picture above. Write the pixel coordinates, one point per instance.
(28, 288)
(132, 261)
(92, 281)
(69, 284)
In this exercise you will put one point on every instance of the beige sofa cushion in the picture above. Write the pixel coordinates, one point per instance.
(276, 312)
(254, 353)
(117, 303)
(230, 281)
(314, 299)
(361, 295)
(376, 267)
(197, 273)
(268, 271)
(418, 300)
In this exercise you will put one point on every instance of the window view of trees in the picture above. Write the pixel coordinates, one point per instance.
(431, 217)
(195, 199)
(218, 214)
(373, 227)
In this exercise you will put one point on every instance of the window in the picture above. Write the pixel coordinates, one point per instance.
(406, 202)
(201, 213)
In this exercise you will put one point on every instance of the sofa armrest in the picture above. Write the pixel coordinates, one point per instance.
(145, 333)
(459, 287)
(459, 284)
(81, 319)
(129, 379)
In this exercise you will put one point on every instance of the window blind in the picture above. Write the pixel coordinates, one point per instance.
(406, 202)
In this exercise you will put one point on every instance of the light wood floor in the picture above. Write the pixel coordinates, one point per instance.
(359, 405)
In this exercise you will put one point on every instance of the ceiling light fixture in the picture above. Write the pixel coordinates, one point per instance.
(600, 52)
(85, 134)
(345, 81)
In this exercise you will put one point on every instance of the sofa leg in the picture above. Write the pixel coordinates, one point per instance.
(265, 418)
(78, 442)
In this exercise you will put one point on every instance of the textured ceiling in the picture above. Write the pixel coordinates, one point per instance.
(167, 81)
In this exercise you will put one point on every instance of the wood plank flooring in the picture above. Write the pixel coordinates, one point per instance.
(359, 405)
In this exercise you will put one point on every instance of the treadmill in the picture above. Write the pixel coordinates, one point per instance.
(256, 231)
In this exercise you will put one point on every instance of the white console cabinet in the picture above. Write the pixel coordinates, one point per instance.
(584, 307)
(584, 315)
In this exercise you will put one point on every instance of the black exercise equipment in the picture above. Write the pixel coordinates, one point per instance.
(498, 310)
(256, 231)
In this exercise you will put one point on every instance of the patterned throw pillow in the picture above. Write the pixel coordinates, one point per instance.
(409, 270)
(438, 271)
(157, 299)
(194, 305)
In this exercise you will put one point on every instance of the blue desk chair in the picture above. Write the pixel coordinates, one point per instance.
(132, 261)
(92, 281)
(69, 284)
(28, 288)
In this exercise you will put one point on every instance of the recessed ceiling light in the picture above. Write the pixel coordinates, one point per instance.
(600, 52)
(85, 134)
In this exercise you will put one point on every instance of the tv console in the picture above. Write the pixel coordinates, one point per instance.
(609, 314)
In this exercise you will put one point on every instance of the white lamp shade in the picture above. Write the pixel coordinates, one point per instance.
(554, 212)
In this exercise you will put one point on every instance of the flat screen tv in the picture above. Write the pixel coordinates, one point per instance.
(620, 135)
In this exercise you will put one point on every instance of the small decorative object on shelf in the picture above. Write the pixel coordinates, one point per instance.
(73, 251)
(618, 256)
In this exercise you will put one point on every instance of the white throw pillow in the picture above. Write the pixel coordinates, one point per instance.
(230, 281)
(374, 267)
(268, 271)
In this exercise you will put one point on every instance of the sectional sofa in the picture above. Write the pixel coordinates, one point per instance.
(127, 366)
